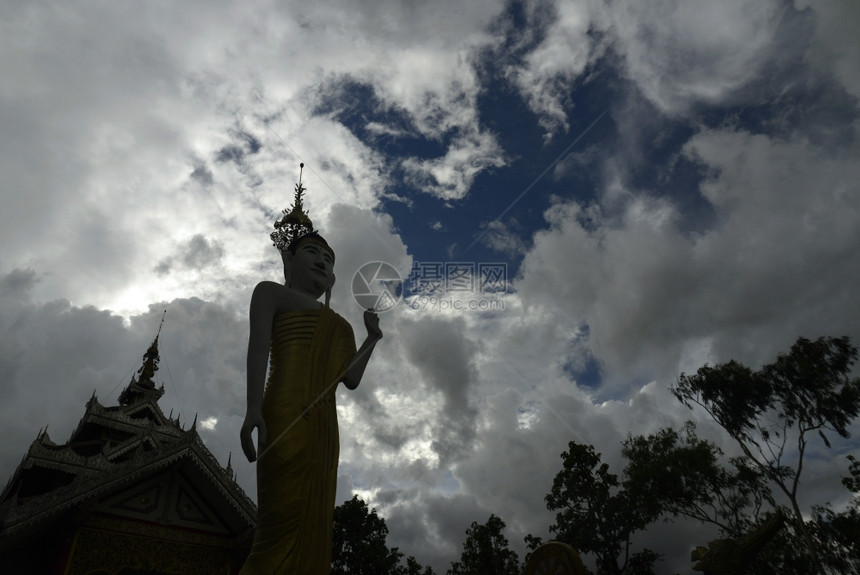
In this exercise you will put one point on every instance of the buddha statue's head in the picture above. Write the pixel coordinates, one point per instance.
(308, 259)
(309, 265)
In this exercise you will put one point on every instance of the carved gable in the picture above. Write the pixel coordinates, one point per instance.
(169, 498)
(131, 487)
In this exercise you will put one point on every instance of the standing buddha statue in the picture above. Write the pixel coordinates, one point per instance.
(310, 349)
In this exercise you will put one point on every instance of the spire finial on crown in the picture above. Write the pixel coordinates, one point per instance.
(295, 223)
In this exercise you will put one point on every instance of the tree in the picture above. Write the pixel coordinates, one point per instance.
(683, 475)
(598, 514)
(413, 568)
(485, 551)
(532, 543)
(837, 535)
(359, 542)
(771, 413)
(678, 474)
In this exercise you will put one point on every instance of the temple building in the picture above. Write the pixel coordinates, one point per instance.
(130, 493)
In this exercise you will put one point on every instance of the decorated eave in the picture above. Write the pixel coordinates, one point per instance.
(110, 449)
(97, 477)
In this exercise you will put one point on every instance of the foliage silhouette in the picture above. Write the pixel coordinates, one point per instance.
(771, 413)
(359, 548)
(598, 514)
(679, 474)
(485, 551)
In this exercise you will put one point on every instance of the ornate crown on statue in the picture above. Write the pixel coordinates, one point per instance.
(295, 223)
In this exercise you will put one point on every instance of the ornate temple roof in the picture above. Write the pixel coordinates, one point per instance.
(114, 448)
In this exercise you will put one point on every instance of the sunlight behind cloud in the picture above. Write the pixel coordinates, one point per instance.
(209, 423)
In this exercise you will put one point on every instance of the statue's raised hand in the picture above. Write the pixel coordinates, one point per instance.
(371, 322)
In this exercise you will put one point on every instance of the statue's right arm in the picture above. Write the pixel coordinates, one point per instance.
(262, 314)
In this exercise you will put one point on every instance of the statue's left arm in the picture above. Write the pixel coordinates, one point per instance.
(356, 367)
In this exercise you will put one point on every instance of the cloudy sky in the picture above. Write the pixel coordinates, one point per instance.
(666, 184)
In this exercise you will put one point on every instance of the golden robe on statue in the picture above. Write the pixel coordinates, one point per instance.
(297, 470)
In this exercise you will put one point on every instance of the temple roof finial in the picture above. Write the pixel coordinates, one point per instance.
(144, 386)
(151, 359)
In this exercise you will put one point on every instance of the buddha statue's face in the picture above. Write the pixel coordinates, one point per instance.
(311, 269)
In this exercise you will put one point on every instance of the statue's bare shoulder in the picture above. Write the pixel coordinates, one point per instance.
(271, 299)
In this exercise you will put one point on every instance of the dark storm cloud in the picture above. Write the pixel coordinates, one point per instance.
(197, 253)
(247, 144)
(201, 252)
(440, 349)
(231, 153)
(82, 345)
(431, 526)
(387, 432)
(16, 285)
(203, 175)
